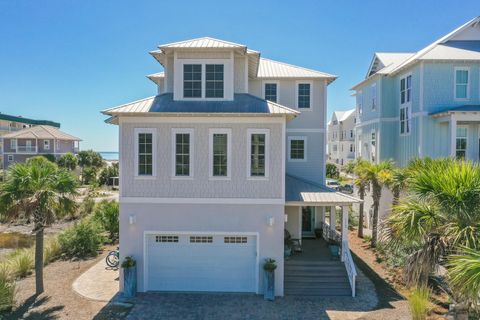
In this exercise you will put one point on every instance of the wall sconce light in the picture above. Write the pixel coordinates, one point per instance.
(286, 218)
(271, 221)
(132, 219)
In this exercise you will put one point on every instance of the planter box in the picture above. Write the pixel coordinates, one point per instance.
(130, 282)
(269, 285)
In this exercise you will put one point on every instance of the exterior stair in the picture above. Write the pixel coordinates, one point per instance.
(316, 278)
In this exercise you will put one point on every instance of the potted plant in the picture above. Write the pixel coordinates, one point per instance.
(318, 233)
(129, 266)
(269, 279)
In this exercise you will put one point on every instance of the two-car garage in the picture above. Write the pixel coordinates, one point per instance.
(218, 262)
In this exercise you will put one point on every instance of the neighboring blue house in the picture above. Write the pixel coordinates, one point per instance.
(422, 104)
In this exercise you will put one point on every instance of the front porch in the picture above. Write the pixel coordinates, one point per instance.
(315, 215)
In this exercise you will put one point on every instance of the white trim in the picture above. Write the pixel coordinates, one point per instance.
(13, 144)
(298, 82)
(455, 69)
(462, 126)
(153, 131)
(202, 119)
(304, 138)
(324, 155)
(227, 201)
(284, 145)
(301, 130)
(46, 146)
(405, 105)
(214, 233)
(174, 132)
(266, 132)
(264, 82)
(211, 132)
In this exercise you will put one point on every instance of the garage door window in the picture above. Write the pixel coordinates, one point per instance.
(201, 239)
(166, 238)
(235, 239)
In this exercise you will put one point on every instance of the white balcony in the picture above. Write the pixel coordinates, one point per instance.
(26, 149)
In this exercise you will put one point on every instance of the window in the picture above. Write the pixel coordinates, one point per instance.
(373, 143)
(405, 104)
(201, 239)
(214, 81)
(235, 239)
(335, 122)
(258, 142)
(166, 238)
(351, 133)
(341, 147)
(359, 102)
(192, 80)
(220, 151)
(303, 96)
(145, 152)
(10, 158)
(183, 145)
(270, 92)
(462, 83)
(351, 147)
(296, 148)
(334, 147)
(461, 143)
(46, 144)
(13, 143)
(374, 96)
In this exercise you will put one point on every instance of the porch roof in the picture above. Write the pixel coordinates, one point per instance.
(299, 191)
(461, 109)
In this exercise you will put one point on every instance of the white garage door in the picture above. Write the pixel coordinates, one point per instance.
(201, 262)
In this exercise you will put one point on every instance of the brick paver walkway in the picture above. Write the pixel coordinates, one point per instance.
(99, 283)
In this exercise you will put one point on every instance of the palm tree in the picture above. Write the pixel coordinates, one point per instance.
(378, 174)
(397, 183)
(440, 214)
(464, 275)
(361, 182)
(37, 189)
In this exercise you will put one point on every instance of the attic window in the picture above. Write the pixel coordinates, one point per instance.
(192, 80)
(214, 81)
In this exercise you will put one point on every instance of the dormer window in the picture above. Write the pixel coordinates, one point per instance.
(270, 92)
(192, 80)
(214, 80)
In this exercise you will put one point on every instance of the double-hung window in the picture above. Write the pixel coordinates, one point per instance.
(192, 80)
(183, 152)
(220, 153)
(46, 144)
(297, 147)
(13, 144)
(303, 95)
(214, 80)
(145, 152)
(462, 87)
(405, 104)
(270, 92)
(461, 142)
(373, 146)
(257, 153)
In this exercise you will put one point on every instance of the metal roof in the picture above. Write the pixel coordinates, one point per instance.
(204, 42)
(454, 50)
(156, 77)
(275, 69)
(343, 115)
(41, 132)
(464, 108)
(300, 191)
(242, 104)
(28, 120)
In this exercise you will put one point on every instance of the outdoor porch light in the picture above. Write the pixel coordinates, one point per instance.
(286, 217)
(132, 219)
(271, 221)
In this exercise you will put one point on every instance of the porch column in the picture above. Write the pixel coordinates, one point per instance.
(452, 126)
(322, 214)
(333, 222)
(344, 230)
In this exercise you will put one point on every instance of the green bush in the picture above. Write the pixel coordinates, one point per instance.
(87, 206)
(89, 175)
(82, 240)
(418, 302)
(90, 158)
(21, 262)
(51, 250)
(7, 288)
(68, 161)
(332, 171)
(105, 178)
(106, 213)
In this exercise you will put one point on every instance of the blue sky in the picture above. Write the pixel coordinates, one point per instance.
(67, 60)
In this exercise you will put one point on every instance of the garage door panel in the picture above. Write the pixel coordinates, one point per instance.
(202, 263)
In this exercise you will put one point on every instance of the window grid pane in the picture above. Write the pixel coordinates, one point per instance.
(257, 158)
(220, 148)
(271, 92)
(182, 154)
(192, 80)
(214, 81)
(145, 154)
(304, 95)
(297, 149)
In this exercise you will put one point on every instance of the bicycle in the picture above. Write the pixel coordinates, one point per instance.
(113, 258)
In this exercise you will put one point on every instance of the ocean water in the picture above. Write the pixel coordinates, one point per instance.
(109, 155)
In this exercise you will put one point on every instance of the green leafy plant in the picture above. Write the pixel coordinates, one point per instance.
(106, 213)
(89, 175)
(90, 158)
(418, 302)
(68, 161)
(270, 265)
(464, 275)
(332, 171)
(129, 262)
(51, 250)
(7, 288)
(82, 240)
(107, 173)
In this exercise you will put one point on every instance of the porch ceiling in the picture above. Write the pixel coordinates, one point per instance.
(470, 110)
(302, 192)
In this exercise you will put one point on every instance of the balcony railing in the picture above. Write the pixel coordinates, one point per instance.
(26, 149)
(8, 128)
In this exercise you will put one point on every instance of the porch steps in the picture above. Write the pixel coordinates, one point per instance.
(316, 278)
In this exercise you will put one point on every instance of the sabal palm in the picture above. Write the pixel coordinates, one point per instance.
(464, 275)
(36, 189)
(357, 168)
(378, 174)
(441, 213)
(397, 183)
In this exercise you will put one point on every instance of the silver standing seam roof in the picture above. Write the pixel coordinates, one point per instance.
(302, 192)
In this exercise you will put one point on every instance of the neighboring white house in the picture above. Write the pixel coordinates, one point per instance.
(228, 154)
(341, 137)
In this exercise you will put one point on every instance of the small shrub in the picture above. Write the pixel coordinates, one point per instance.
(367, 238)
(68, 161)
(89, 175)
(21, 262)
(106, 214)
(332, 171)
(82, 240)
(129, 262)
(7, 288)
(51, 250)
(418, 302)
(105, 178)
(87, 206)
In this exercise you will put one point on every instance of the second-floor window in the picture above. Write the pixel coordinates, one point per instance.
(271, 92)
(303, 96)
(351, 133)
(214, 81)
(46, 144)
(297, 148)
(258, 153)
(351, 147)
(192, 80)
(145, 152)
(405, 89)
(220, 153)
(359, 102)
(183, 152)
(461, 83)
(405, 104)
(13, 143)
(374, 96)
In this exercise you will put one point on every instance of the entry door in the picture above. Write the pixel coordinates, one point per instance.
(308, 221)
